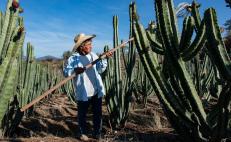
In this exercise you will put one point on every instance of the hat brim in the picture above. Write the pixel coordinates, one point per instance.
(85, 38)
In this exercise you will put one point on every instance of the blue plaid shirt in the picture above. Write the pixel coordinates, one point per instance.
(88, 83)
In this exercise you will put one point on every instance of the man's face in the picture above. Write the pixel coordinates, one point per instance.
(86, 47)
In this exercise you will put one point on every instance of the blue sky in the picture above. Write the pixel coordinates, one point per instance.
(52, 24)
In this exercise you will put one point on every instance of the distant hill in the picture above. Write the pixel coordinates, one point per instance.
(48, 58)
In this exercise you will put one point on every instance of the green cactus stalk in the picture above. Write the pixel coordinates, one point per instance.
(20, 79)
(9, 71)
(10, 21)
(28, 71)
(178, 88)
(218, 51)
(117, 85)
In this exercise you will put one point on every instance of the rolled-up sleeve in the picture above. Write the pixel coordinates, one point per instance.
(101, 66)
(69, 67)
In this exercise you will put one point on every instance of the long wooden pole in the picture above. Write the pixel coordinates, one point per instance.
(71, 77)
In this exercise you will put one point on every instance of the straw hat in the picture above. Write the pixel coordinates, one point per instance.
(80, 38)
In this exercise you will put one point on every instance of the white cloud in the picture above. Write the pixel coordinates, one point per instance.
(54, 36)
(48, 41)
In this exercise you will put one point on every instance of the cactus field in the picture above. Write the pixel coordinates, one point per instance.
(170, 82)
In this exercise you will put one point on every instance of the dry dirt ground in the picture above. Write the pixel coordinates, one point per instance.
(55, 120)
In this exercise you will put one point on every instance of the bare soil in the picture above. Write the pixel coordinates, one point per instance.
(55, 120)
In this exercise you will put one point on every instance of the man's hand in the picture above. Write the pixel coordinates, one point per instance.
(109, 54)
(79, 70)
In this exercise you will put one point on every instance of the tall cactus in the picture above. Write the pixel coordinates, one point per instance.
(20, 79)
(115, 95)
(27, 80)
(217, 50)
(11, 42)
(176, 90)
(118, 85)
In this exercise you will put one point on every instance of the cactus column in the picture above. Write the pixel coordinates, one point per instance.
(11, 42)
(175, 87)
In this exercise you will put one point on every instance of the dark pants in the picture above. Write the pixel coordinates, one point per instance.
(96, 104)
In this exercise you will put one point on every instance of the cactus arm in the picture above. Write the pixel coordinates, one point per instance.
(176, 63)
(195, 14)
(10, 30)
(173, 21)
(165, 26)
(187, 33)
(216, 47)
(155, 45)
(131, 48)
(117, 53)
(28, 73)
(149, 72)
(165, 93)
(196, 45)
(5, 25)
(174, 113)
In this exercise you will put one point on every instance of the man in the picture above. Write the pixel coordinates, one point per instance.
(89, 88)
